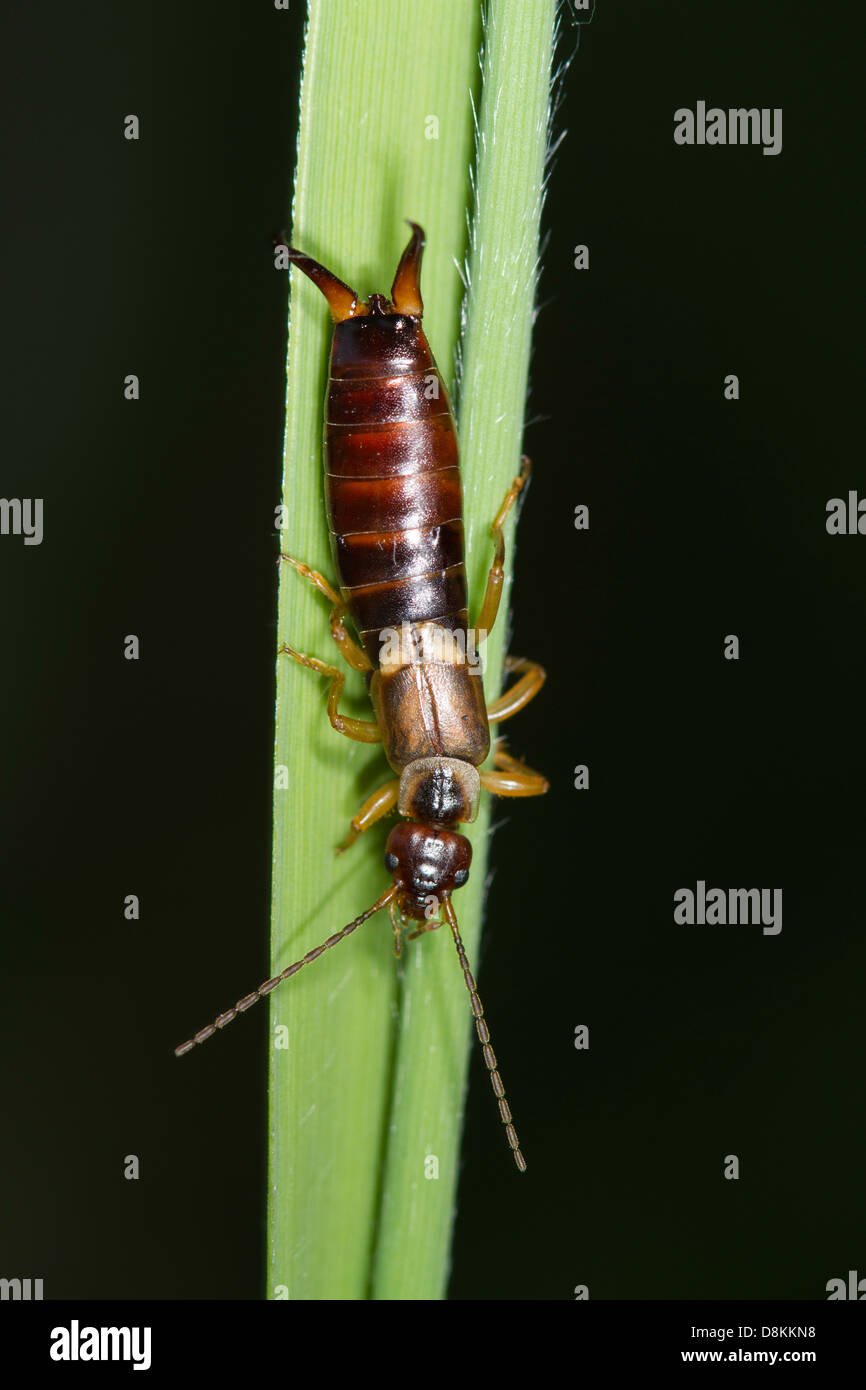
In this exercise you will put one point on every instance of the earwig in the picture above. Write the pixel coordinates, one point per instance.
(395, 512)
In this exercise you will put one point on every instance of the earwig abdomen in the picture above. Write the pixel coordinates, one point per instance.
(394, 497)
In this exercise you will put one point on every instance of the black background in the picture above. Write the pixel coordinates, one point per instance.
(707, 518)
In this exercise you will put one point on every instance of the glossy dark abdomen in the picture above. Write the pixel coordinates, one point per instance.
(394, 497)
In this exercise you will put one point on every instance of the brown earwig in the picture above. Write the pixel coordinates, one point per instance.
(395, 511)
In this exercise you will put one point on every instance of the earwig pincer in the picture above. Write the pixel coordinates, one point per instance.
(395, 511)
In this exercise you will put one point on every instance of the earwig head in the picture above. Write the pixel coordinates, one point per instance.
(425, 864)
(343, 301)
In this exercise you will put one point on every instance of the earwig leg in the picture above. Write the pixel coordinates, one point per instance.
(503, 759)
(317, 580)
(383, 800)
(433, 925)
(514, 778)
(352, 654)
(398, 923)
(525, 782)
(361, 730)
(520, 694)
(493, 593)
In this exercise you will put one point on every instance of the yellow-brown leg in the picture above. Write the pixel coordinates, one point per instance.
(493, 592)
(432, 925)
(361, 730)
(513, 778)
(383, 800)
(351, 653)
(521, 692)
(398, 924)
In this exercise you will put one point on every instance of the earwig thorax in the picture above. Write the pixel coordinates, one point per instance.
(440, 791)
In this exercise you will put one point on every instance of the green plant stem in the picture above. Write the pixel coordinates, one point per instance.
(366, 1112)
(432, 1051)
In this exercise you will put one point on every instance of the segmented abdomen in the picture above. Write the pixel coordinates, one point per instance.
(394, 498)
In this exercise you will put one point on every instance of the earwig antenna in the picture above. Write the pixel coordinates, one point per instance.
(249, 999)
(484, 1038)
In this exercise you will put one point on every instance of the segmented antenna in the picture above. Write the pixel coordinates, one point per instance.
(249, 999)
(484, 1038)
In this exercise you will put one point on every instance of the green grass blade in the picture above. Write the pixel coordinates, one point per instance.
(433, 1050)
(357, 1102)
(373, 74)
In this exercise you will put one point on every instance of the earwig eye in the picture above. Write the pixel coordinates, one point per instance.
(460, 877)
(391, 862)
